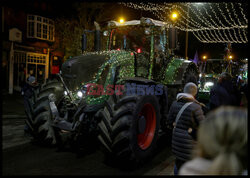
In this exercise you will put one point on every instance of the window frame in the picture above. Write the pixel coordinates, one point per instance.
(34, 32)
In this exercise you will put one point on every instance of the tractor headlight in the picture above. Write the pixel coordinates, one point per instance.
(105, 33)
(79, 94)
(208, 84)
(147, 31)
(65, 93)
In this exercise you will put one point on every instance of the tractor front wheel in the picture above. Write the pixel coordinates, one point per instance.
(41, 121)
(129, 127)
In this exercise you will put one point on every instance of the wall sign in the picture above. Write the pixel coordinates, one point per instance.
(15, 35)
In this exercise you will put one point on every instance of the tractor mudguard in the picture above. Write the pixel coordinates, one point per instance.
(176, 70)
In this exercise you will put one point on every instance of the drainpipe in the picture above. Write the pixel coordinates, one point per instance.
(11, 68)
(47, 66)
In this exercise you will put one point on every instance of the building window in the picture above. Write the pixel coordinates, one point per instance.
(40, 27)
(36, 58)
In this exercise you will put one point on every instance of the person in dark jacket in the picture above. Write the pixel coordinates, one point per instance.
(224, 92)
(184, 134)
(27, 92)
(244, 93)
(27, 88)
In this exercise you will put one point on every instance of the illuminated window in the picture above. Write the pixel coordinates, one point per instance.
(40, 27)
(36, 58)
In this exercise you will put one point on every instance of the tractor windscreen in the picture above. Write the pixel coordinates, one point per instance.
(91, 67)
(214, 66)
(129, 38)
(82, 69)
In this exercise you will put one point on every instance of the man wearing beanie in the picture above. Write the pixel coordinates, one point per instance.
(185, 114)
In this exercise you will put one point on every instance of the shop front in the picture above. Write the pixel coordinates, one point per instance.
(29, 64)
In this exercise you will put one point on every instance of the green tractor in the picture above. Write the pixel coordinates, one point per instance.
(120, 96)
(210, 71)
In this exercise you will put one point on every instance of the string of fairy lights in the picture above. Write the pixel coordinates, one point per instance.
(224, 22)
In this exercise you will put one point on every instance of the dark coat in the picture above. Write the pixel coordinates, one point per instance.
(223, 94)
(27, 91)
(244, 89)
(182, 141)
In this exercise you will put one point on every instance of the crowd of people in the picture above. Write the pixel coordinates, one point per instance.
(212, 142)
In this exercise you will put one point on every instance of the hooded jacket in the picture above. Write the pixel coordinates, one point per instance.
(183, 141)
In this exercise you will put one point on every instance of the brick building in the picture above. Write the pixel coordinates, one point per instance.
(29, 43)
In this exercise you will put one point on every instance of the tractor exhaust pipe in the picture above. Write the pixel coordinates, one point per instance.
(97, 36)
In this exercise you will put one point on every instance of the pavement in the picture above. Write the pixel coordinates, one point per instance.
(13, 116)
(12, 105)
(164, 168)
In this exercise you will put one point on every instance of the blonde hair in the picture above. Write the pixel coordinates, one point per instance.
(222, 138)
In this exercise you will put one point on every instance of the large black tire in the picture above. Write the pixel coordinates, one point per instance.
(121, 128)
(33, 100)
(40, 121)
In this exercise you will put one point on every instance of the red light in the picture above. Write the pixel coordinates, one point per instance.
(131, 54)
(139, 50)
(118, 49)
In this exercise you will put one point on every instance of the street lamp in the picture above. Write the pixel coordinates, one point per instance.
(174, 15)
(204, 63)
(121, 20)
(230, 58)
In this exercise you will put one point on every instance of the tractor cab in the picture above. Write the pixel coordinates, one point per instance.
(148, 42)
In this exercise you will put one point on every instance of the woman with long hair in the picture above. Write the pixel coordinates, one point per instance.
(222, 144)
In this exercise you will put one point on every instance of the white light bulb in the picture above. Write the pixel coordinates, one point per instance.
(79, 94)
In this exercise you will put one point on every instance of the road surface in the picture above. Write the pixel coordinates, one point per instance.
(21, 157)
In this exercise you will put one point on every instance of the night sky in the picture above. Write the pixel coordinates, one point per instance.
(212, 50)
(66, 9)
